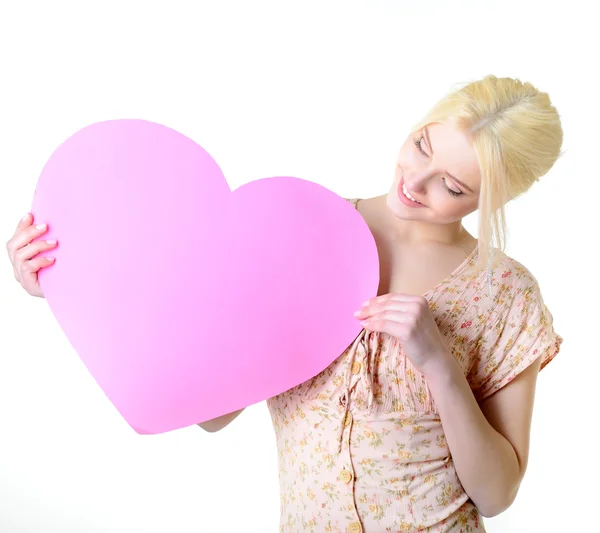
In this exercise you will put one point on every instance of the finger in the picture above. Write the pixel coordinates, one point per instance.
(390, 316)
(26, 221)
(30, 269)
(23, 224)
(31, 250)
(23, 237)
(390, 305)
(383, 325)
(399, 297)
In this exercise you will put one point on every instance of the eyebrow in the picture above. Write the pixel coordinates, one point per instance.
(426, 130)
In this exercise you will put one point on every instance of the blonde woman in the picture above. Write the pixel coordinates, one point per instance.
(423, 423)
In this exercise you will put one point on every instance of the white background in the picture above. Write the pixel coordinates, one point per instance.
(325, 91)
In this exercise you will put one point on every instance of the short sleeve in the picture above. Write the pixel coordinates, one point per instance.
(522, 332)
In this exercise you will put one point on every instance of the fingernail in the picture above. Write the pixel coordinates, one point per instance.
(357, 313)
(50, 259)
(51, 241)
(40, 226)
(25, 217)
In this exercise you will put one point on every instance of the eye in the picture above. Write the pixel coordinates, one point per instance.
(417, 143)
(451, 191)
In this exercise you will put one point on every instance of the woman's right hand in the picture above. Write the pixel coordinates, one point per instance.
(22, 252)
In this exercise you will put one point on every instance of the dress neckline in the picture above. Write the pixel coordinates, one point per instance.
(458, 270)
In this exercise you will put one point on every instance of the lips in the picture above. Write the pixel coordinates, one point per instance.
(404, 199)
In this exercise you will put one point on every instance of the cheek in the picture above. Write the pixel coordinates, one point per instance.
(451, 208)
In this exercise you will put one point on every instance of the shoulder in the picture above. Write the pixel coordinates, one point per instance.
(513, 280)
(519, 331)
(516, 293)
(352, 201)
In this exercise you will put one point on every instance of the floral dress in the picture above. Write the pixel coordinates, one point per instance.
(361, 447)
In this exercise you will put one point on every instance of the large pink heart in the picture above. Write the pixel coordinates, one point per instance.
(187, 301)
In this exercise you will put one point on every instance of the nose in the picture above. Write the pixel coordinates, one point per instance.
(415, 183)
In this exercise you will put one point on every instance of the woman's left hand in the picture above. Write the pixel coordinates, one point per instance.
(410, 320)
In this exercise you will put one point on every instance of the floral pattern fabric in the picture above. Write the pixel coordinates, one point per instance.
(361, 447)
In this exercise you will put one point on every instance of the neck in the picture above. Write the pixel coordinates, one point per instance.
(420, 232)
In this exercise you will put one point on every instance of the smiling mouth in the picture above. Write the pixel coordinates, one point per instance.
(408, 195)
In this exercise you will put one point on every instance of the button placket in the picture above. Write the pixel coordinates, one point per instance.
(347, 475)
(348, 419)
(344, 405)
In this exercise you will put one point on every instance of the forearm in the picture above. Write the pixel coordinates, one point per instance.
(485, 461)
(216, 424)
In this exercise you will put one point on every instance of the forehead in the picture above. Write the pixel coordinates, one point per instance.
(454, 153)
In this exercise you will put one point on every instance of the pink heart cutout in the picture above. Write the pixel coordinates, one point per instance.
(185, 300)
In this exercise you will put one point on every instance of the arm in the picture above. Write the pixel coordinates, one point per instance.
(216, 424)
(489, 442)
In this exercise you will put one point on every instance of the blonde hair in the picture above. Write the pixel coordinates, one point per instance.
(517, 136)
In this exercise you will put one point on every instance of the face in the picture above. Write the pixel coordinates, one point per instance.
(438, 167)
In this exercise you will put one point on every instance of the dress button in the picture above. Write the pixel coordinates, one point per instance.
(348, 419)
(356, 367)
(354, 527)
(346, 476)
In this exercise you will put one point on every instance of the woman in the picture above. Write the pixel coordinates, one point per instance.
(423, 423)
